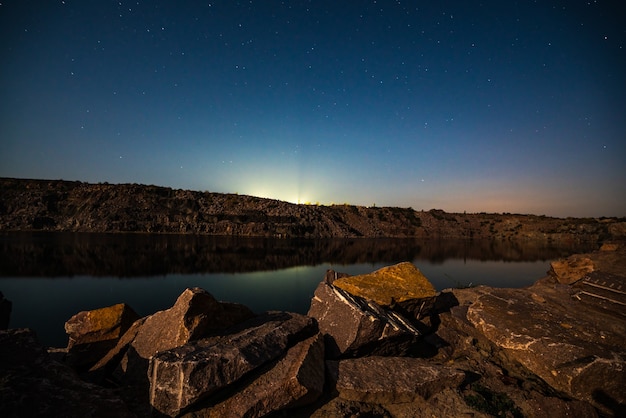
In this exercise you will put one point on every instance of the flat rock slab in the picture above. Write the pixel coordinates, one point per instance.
(184, 375)
(388, 380)
(389, 285)
(571, 345)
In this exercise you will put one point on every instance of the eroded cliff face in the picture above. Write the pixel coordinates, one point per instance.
(57, 205)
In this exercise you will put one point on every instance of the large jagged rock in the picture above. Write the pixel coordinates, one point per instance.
(5, 312)
(195, 314)
(185, 375)
(388, 380)
(296, 380)
(389, 285)
(354, 326)
(93, 333)
(33, 385)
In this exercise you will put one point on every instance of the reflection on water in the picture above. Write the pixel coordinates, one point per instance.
(131, 255)
(50, 277)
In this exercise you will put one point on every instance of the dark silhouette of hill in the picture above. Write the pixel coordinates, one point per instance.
(57, 205)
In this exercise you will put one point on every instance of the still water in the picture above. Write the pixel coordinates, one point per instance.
(51, 276)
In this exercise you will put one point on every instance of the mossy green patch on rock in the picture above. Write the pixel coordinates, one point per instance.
(387, 285)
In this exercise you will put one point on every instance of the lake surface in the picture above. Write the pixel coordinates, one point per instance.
(51, 276)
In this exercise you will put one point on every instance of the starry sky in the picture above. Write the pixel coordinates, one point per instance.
(495, 106)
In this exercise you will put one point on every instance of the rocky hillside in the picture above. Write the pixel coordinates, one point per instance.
(57, 205)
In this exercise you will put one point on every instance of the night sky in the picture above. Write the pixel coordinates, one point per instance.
(495, 106)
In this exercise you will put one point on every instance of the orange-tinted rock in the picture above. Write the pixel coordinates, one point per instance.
(389, 285)
(609, 246)
(571, 269)
(93, 333)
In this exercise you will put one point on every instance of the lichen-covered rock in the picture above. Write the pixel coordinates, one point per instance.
(296, 380)
(185, 375)
(354, 326)
(93, 333)
(389, 285)
(391, 379)
(572, 269)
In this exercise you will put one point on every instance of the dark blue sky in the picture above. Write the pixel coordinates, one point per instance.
(496, 106)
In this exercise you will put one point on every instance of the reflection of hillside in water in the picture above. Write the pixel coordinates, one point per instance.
(127, 255)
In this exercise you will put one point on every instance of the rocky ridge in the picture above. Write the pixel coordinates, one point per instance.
(556, 348)
(56, 205)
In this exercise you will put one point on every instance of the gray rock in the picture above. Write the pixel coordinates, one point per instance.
(182, 376)
(389, 380)
(33, 385)
(93, 333)
(354, 326)
(296, 380)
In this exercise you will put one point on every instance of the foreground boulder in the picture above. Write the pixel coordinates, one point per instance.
(553, 349)
(33, 385)
(196, 314)
(389, 380)
(572, 336)
(93, 333)
(185, 375)
(296, 380)
(373, 314)
(565, 348)
(355, 327)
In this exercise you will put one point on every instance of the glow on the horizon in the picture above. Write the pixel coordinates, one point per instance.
(278, 191)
